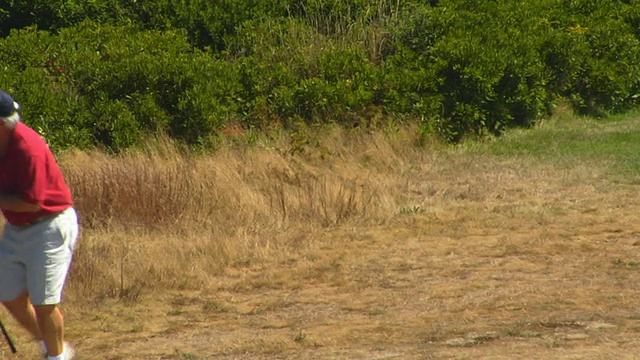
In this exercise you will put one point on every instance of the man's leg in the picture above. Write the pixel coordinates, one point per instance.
(22, 310)
(51, 323)
(51, 245)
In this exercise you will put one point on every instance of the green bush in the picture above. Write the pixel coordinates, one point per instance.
(611, 72)
(482, 76)
(113, 72)
(114, 85)
(32, 74)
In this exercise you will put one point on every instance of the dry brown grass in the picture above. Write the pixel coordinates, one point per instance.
(362, 247)
(238, 206)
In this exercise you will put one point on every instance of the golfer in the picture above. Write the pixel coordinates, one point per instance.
(39, 234)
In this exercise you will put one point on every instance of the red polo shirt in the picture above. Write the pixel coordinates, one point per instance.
(29, 170)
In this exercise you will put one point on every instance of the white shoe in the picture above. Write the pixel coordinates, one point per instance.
(68, 351)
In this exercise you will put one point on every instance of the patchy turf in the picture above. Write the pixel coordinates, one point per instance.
(486, 256)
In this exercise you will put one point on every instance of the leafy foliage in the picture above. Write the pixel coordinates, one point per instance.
(110, 73)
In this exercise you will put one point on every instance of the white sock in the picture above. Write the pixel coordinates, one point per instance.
(62, 356)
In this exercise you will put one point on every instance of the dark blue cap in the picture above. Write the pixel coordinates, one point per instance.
(7, 106)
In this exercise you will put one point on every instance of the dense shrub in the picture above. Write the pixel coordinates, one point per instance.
(113, 72)
(206, 22)
(42, 87)
(115, 85)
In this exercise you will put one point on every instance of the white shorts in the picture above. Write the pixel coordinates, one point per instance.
(36, 258)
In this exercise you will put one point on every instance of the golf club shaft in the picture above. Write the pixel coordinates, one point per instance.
(6, 336)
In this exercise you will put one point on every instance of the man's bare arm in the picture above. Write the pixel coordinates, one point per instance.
(14, 203)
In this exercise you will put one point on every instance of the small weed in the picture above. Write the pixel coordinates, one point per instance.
(531, 335)
(556, 343)
(513, 332)
(181, 355)
(376, 312)
(276, 326)
(137, 328)
(300, 337)
(485, 337)
(625, 263)
(175, 312)
(211, 306)
(412, 210)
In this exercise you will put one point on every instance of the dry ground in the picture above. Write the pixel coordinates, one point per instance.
(480, 258)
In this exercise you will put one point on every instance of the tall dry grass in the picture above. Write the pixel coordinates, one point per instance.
(350, 23)
(167, 219)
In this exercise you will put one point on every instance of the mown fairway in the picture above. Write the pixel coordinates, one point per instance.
(365, 247)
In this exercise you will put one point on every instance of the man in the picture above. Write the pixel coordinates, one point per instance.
(40, 231)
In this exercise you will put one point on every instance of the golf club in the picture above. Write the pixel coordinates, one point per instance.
(6, 336)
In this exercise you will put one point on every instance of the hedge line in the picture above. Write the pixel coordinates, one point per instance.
(109, 73)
